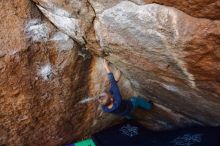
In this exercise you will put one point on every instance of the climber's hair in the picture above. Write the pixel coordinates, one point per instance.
(104, 98)
(103, 93)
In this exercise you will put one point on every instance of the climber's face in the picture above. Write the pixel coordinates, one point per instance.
(105, 99)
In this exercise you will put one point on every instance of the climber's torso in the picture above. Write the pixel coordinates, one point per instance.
(121, 109)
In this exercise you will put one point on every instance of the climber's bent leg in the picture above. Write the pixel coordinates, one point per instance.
(138, 102)
(141, 102)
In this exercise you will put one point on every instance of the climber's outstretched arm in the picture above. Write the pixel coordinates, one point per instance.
(114, 87)
(117, 73)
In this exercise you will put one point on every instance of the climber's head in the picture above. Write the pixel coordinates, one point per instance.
(105, 98)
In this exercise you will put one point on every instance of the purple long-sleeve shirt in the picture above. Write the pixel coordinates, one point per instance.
(120, 107)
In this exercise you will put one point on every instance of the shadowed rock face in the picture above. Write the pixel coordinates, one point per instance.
(51, 71)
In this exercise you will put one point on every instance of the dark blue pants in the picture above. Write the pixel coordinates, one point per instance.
(139, 102)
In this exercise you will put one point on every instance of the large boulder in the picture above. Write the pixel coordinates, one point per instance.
(51, 69)
(205, 8)
(168, 56)
(44, 76)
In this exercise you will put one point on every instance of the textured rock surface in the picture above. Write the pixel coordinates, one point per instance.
(51, 74)
(44, 76)
(162, 57)
(73, 17)
(196, 8)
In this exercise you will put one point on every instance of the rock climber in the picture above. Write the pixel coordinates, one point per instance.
(112, 102)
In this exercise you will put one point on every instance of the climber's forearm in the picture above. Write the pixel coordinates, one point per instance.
(106, 66)
(117, 75)
(108, 70)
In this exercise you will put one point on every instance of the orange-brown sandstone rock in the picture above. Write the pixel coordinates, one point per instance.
(197, 8)
(50, 74)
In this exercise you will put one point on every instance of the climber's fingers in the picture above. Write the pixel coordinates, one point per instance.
(105, 65)
(105, 62)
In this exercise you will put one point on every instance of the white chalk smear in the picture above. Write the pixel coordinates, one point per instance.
(63, 41)
(45, 71)
(37, 30)
(88, 99)
(71, 26)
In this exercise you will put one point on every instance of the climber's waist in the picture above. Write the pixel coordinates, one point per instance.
(123, 109)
